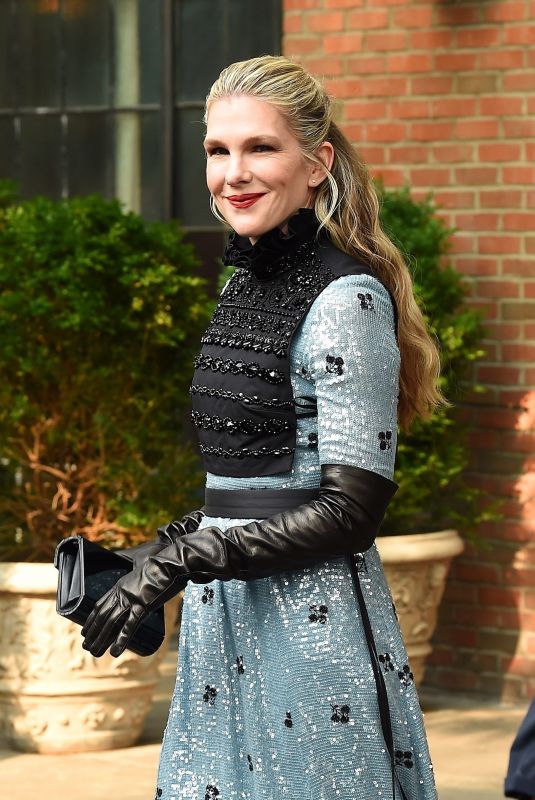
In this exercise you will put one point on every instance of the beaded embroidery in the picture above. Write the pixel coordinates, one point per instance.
(244, 452)
(251, 368)
(232, 426)
(260, 309)
(241, 397)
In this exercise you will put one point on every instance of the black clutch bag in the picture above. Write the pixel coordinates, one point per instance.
(86, 572)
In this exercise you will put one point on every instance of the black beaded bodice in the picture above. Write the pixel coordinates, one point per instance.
(242, 400)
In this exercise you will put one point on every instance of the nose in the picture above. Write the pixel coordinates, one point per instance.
(237, 171)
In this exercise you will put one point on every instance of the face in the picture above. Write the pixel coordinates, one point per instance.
(255, 169)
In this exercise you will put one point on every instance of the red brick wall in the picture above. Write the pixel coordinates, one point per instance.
(441, 95)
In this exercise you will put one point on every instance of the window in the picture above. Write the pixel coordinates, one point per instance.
(107, 96)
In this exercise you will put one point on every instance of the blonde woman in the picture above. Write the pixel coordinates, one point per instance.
(293, 680)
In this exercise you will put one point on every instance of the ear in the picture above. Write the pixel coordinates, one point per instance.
(325, 153)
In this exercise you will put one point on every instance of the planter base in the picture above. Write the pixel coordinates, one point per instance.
(54, 696)
(416, 568)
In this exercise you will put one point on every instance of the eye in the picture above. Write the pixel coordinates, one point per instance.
(216, 151)
(263, 148)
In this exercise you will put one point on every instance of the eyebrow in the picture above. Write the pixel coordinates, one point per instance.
(249, 141)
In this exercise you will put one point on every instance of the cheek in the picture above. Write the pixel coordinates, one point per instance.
(213, 177)
(288, 178)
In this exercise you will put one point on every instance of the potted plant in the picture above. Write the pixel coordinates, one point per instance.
(100, 315)
(420, 535)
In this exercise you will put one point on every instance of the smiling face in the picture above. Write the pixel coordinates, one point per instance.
(255, 169)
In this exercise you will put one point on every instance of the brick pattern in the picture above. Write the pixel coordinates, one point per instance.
(440, 95)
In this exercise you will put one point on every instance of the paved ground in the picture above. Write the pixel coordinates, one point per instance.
(469, 744)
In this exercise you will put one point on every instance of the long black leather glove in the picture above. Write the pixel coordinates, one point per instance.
(167, 534)
(344, 519)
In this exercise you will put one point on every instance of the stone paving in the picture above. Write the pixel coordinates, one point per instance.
(469, 744)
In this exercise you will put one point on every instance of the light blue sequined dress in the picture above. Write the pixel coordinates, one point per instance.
(275, 695)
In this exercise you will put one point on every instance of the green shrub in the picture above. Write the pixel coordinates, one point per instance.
(100, 317)
(432, 459)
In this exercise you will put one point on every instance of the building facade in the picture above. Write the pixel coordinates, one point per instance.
(106, 96)
(440, 95)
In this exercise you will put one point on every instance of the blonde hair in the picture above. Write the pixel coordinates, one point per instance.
(347, 206)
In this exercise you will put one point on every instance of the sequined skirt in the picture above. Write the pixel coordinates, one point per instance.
(275, 695)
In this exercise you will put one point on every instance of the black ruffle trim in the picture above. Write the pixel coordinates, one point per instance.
(268, 255)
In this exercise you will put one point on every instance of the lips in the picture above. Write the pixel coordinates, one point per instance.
(244, 200)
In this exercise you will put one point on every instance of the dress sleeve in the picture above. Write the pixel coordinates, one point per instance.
(353, 360)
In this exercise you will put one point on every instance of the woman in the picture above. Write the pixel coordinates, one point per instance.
(292, 681)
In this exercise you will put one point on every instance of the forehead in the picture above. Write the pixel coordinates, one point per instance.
(244, 116)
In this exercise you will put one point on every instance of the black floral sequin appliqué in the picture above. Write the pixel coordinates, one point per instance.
(405, 675)
(404, 758)
(250, 762)
(318, 613)
(386, 661)
(335, 364)
(239, 665)
(340, 713)
(313, 441)
(208, 596)
(159, 793)
(210, 694)
(385, 440)
(211, 792)
(366, 301)
(360, 563)
(288, 720)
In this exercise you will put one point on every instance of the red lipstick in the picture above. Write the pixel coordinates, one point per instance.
(244, 200)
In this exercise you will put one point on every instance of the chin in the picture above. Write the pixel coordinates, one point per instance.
(250, 231)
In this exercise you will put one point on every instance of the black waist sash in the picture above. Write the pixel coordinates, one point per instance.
(254, 503)
(261, 503)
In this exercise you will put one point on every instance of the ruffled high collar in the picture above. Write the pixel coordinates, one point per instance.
(268, 256)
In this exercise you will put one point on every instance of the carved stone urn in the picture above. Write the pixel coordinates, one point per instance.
(416, 567)
(54, 696)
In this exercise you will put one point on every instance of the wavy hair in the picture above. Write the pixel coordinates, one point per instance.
(347, 206)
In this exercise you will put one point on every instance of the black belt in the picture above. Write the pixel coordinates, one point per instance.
(254, 503)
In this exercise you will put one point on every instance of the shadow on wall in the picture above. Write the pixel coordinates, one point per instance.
(525, 485)
(486, 632)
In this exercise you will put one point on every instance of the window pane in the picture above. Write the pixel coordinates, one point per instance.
(190, 168)
(41, 156)
(151, 166)
(8, 149)
(87, 52)
(7, 76)
(150, 50)
(254, 29)
(200, 46)
(90, 154)
(38, 63)
(209, 246)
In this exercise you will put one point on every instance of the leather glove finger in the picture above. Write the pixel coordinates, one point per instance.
(88, 624)
(109, 634)
(102, 622)
(126, 633)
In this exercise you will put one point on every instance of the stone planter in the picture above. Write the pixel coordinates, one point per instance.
(416, 567)
(54, 696)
